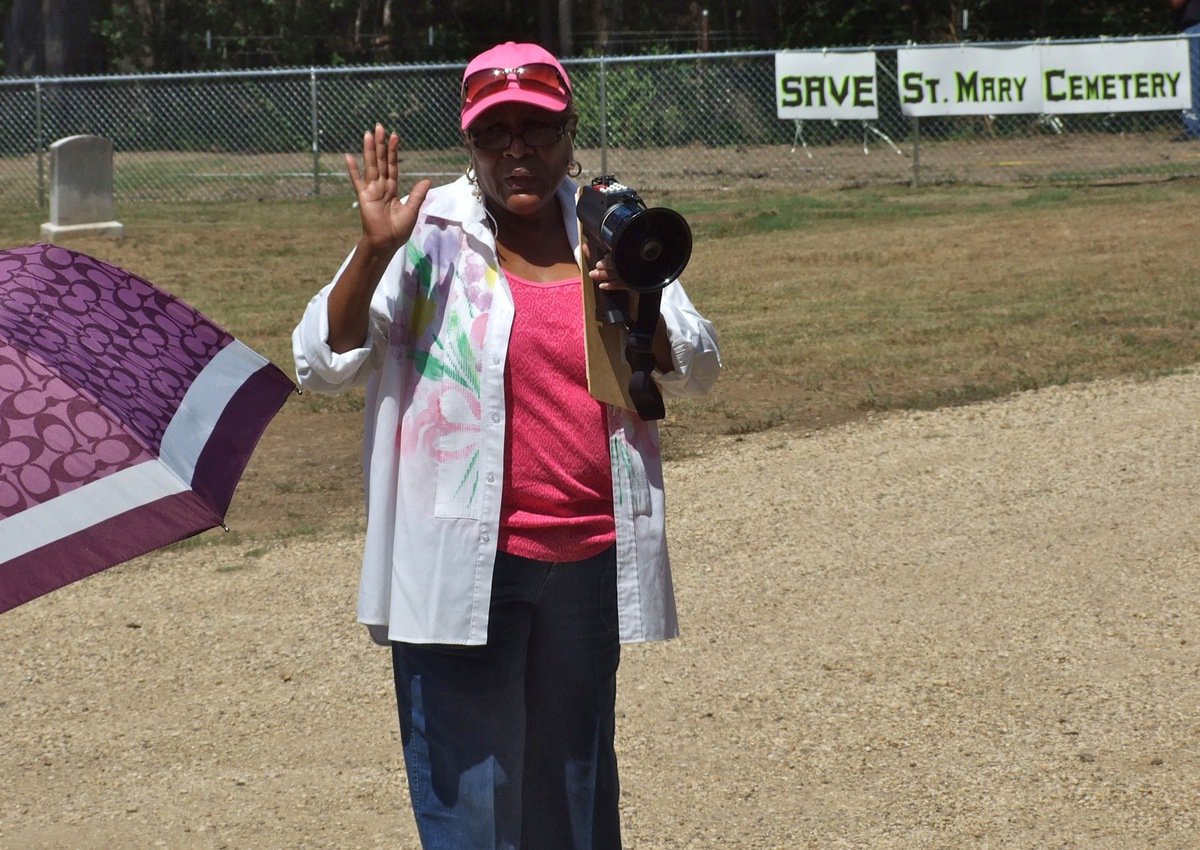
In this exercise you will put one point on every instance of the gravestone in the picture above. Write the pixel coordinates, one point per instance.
(81, 189)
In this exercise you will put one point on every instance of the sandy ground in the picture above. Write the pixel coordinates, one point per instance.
(971, 628)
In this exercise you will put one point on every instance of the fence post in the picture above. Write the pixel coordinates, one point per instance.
(316, 143)
(603, 122)
(916, 171)
(37, 143)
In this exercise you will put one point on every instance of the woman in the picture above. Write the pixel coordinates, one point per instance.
(1187, 20)
(514, 524)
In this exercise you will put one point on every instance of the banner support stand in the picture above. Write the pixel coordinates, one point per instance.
(916, 170)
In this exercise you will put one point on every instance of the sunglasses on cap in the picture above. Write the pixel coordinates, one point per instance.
(534, 76)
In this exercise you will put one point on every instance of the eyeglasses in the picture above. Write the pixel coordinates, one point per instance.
(497, 138)
(536, 76)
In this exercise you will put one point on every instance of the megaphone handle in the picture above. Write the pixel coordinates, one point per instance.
(647, 397)
(639, 352)
(612, 308)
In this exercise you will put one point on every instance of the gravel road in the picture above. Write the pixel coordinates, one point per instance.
(968, 628)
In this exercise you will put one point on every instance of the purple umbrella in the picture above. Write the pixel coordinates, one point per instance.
(126, 418)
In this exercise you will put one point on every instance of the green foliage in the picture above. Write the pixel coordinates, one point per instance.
(673, 104)
(188, 35)
(183, 35)
(5, 8)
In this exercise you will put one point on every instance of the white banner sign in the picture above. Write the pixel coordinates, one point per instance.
(811, 85)
(1127, 76)
(968, 80)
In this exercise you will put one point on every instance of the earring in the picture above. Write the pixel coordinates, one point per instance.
(574, 169)
(473, 181)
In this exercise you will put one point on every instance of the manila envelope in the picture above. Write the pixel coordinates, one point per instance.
(604, 346)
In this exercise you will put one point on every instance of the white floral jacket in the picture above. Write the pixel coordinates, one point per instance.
(433, 365)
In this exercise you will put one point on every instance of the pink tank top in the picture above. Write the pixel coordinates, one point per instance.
(557, 503)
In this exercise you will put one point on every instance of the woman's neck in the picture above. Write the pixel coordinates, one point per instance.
(534, 247)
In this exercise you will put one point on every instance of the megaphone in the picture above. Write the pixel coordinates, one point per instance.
(649, 247)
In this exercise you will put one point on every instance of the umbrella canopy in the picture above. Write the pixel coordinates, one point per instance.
(126, 418)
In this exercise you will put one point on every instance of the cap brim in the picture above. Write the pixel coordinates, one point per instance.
(514, 94)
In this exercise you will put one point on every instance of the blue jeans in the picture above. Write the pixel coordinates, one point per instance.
(1191, 117)
(510, 745)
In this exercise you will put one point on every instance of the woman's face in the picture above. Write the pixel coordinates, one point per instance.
(520, 178)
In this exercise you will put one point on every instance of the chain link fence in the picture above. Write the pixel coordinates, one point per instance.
(691, 122)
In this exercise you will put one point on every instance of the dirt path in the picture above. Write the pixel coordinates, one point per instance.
(968, 628)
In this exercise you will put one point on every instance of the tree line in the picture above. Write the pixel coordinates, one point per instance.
(66, 37)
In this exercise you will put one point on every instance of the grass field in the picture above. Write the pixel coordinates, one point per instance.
(829, 305)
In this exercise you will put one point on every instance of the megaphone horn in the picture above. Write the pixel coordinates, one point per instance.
(649, 247)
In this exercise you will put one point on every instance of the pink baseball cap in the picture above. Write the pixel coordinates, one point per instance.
(514, 73)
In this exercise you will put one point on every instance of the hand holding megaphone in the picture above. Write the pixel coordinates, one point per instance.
(648, 247)
(638, 252)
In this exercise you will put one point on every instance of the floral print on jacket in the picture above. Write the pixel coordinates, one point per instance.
(435, 418)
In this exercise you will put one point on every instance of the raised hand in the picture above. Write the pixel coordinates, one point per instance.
(387, 222)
